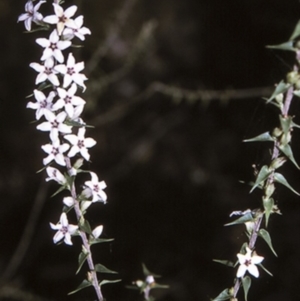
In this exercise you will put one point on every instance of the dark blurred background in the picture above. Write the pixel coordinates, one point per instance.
(174, 87)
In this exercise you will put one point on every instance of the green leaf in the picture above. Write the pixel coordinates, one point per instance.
(296, 32)
(109, 281)
(242, 220)
(262, 137)
(261, 177)
(294, 125)
(284, 46)
(225, 262)
(286, 149)
(100, 240)
(147, 272)
(102, 269)
(224, 295)
(81, 259)
(286, 123)
(246, 285)
(278, 177)
(280, 88)
(83, 285)
(268, 206)
(157, 285)
(60, 189)
(266, 236)
(85, 226)
(265, 269)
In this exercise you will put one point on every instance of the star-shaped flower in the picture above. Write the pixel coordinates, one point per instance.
(68, 99)
(55, 152)
(31, 15)
(42, 103)
(71, 72)
(53, 46)
(96, 188)
(54, 124)
(46, 72)
(77, 31)
(56, 175)
(248, 263)
(80, 144)
(62, 18)
(64, 230)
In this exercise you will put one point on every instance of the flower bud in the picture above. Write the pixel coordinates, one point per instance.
(279, 98)
(278, 162)
(276, 132)
(269, 189)
(285, 138)
(292, 77)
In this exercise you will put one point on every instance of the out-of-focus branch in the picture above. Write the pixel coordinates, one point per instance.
(179, 94)
(111, 36)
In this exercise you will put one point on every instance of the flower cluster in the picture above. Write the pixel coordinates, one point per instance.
(57, 106)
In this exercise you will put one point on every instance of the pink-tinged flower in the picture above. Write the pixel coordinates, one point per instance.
(62, 18)
(248, 263)
(55, 175)
(31, 15)
(54, 125)
(96, 189)
(42, 103)
(64, 230)
(80, 144)
(68, 99)
(55, 152)
(53, 47)
(71, 72)
(46, 72)
(68, 201)
(78, 30)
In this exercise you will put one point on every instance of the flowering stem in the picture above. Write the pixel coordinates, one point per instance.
(92, 273)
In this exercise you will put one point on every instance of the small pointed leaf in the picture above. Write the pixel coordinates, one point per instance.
(105, 281)
(102, 269)
(265, 269)
(293, 124)
(261, 177)
(266, 236)
(246, 285)
(242, 220)
(280, 88)
(286, 123)
(268, 206)
(224, 295)
(85, 226)
(148, 273)
(225, 262)
(286, 149)
(60, 189)
(262, 137)
(83, 285)
(100, 240)
(284, 46)
(81, 259)
(296, 32)
(278, 177)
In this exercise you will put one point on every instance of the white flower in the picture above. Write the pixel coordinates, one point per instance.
(31, 15)
(77, 31)
(53, 46)
(42, 103)
(248, 263)
(80, 144)
(96, 188)
(45, 72)
(55, 152)
(97, 231)
(64, 230)
(71, 72)
(54, 124)
(68, 201)
(56, 175)
(68, 99)
(61, 17)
